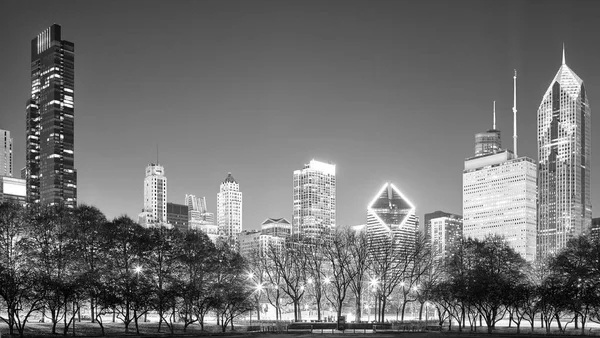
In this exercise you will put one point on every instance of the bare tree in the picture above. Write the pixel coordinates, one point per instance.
(290, 266)
(315, 271)
(358, 267)
(337, 257)
(19, 276)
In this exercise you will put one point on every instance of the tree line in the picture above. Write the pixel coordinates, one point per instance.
(54, 261)
(488, 280)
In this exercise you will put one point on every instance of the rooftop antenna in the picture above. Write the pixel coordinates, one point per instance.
(564, 59)
(494, 128)
(514, 109)
(157, 154)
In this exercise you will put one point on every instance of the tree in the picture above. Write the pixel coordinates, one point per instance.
(232, 294)
(197, 276)
(290, 266)
(577, 266)
(89, 240)
(52, 232)
(19, 277)
(127, 251)
(487, 270)
(315, 272)
(358, 246)
(162, 259)
(337, 258)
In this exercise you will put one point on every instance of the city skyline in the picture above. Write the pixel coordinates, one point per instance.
(361, 85)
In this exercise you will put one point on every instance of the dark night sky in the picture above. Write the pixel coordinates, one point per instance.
(386, 90)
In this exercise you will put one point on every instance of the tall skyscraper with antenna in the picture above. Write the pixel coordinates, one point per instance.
(564, 149)
(499, 194)
(155, 197)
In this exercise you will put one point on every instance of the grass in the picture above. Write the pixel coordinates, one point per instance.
(117, 329)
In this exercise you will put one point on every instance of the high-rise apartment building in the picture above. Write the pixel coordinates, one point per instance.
(392, 217)
(436, 214)
(6, 155)
(314, 200)
(445, 232)
(155, 197)
(564, 149)
(51, 175)
(229, 209)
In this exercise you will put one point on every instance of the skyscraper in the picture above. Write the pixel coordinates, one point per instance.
(51, 175)
(199, 217)
(443, 230)
(500, 196)
(6, 158)
(155, 196)
(392, 217)
(445, 234)
(314, 200)
(177, 216)
(229, 209)
(564, 148)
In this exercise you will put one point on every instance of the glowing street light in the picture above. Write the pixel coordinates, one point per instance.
(138, 269)
(259, 287)
(327, 280)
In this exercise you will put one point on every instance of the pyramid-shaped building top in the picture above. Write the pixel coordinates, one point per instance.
(391, 206)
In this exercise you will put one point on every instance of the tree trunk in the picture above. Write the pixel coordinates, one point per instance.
(558, 322)
(92, 312)
(403, 309)
(357, 313)
(421, 312)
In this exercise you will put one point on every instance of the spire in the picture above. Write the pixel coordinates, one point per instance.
(514, 109)
(494, 127)
(564, 60)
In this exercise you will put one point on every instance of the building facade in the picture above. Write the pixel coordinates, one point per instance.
(177, 216)
(564, 149)
(278, 227)
(199, 217)
(487, 143)
(314, 213)
(500, 198)
(6, 153)
(13, 190)
(445, 233)
(51, 175)
(391, 217)
(229, 209)
(595, 232)
(274, 233)
(155, 196)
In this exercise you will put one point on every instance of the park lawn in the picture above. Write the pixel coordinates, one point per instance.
(86, 329)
